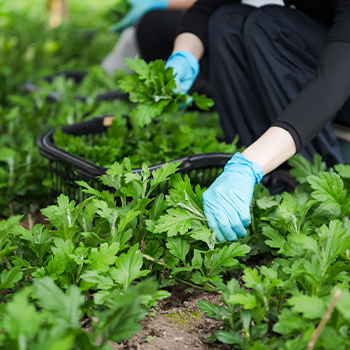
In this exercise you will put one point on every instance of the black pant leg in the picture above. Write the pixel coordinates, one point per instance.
(156, 33)
(283, 48)
(235, 94)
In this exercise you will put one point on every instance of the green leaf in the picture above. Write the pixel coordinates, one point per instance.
(119, 323)
(328, 189)
(230, 337)
(224, 257)
(204, 234)
(343, 170)
(176, 221)
(20, 319)
(102, 282)
(64, 306)
(215, 311)
(343, 305)
(310, 306)
(302, 168)
(8, 278)
(202, 102)
(178, 247)
(158, 207)
(266, 202)
(289, 321)
(163, 174)
(100, 259)
(197, 260)
(307, 243)
(128, 267)
(56, 266)
(275, 239)
(248, 301)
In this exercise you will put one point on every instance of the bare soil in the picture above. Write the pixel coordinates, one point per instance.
(177, 324)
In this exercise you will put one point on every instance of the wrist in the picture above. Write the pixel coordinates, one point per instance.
(273, 148)
(239, 160)
(163, 4)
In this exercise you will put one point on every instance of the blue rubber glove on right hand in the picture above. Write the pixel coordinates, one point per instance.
(138, 9)
(227, 201)
(186, 68)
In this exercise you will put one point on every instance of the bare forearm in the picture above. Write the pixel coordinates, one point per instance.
(180, 4)
(191, 43)
(273, 148)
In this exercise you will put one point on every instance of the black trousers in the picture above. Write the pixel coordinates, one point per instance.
(260, 59)
(155, 35)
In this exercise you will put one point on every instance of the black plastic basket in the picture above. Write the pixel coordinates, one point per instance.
(77, 76)
(67, 168)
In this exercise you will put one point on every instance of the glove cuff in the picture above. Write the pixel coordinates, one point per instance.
(162, 4)
(191, 59)
(238, 158)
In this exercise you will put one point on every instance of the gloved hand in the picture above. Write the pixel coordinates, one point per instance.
(186, 68)
(138, 9)
(227, 201)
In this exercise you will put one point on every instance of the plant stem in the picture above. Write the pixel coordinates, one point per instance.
(327, 315)
(147, 257)
(141, 227)
(188, 283)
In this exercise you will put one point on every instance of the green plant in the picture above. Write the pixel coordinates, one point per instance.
(52, 321)
(152, 144)
(292, 301)
(153, 88)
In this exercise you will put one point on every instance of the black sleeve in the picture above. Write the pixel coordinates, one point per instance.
(322, 98)
(196, 18)
(328, 90)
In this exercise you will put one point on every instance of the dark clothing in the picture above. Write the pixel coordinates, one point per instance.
(260, 60)
(299, 60)
(155, 35)
(338, 11)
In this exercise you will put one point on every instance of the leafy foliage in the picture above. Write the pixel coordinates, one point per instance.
(153, 144)
(153, 87)
(309, 238)
(56, 324)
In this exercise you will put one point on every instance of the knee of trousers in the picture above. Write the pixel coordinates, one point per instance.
(262, 27)
(147, 31)
(225, 25)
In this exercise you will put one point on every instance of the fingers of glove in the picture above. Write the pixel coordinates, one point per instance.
(213, 226)
(243, 203)
(186, 84)
(237, 225)
(224, 225)
(245, 218)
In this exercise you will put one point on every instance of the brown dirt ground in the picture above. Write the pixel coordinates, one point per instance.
(177, 324)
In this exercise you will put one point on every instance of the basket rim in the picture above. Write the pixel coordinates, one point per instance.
(91, 170)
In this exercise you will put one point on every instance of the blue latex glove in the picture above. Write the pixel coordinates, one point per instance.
(227, 201)
(138, 9)
(186, 68)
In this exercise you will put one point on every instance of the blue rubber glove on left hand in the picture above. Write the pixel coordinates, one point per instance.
(185, 67)
(227, 201)
(138, 9)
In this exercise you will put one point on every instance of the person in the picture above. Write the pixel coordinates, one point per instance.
(156, 32)
(128, 44)
(280, 75)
